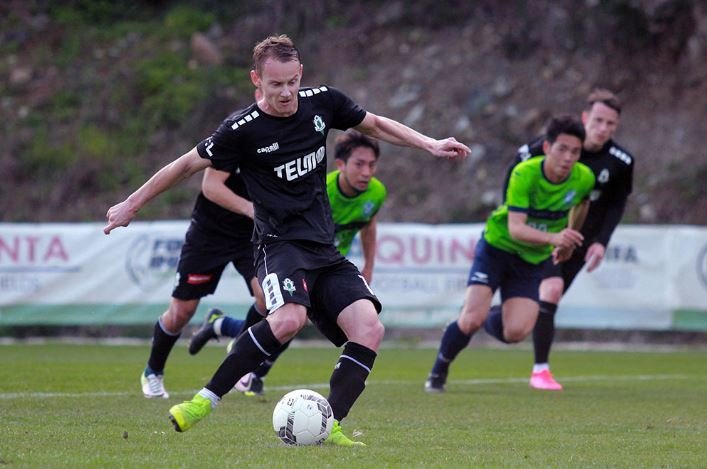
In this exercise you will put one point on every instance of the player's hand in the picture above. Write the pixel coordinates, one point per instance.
(119, 215)
(567, 238)
(450, 149)
(595, 254)
(561, 254)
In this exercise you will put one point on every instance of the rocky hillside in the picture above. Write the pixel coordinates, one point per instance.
(95, 96)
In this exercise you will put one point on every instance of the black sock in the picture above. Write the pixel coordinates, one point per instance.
(252, 317)
(544, 331)
(252, 347)
(264, 367)
(494, 323)
(162, 344)
(453, 342)
(349, 378)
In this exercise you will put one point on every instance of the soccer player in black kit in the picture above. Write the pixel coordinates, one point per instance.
(613, 169)
(215, 238)
(279, 145)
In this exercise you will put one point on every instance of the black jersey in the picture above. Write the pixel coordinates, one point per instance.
(283, 162)
(214, 218)
(613, 170)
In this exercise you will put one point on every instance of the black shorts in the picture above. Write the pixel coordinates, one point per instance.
(204, 256)
(568, 270)
(314, 275)
(497, 268)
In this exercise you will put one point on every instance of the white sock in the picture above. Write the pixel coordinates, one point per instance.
(538, 367)
(217, 327)
(206, 394)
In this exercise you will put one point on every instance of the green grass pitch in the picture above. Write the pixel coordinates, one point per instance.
(81, 406)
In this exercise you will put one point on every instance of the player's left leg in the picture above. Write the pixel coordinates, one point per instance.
(544, 334)
(557, 281)
(165, 334)
(360, 323)
(287, 316)
(485, 276)
(255, 345)
(515, 319)
(346, 311)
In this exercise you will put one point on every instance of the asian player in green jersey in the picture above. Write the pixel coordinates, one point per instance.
(520, 238)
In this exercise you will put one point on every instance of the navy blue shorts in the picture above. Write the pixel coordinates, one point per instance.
(204, 256)
(497, 268)
(314, 275)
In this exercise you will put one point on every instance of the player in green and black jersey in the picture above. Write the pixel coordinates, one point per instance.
(356, 195)
(612, 166)
(519, 238)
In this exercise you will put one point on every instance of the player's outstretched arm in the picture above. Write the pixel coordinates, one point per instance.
(123, 213)
(394, 132)
(214, 187)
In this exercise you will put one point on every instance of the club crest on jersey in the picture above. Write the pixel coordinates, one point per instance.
(603, 176)
(289, 286)
(319, 125)
(569, 197)
(368, 208)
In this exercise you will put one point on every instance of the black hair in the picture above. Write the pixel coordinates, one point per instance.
(347, 142)
(564, 124)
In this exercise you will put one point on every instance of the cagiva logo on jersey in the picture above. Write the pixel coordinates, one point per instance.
(319, 125)
(270, 148)
(299, 167)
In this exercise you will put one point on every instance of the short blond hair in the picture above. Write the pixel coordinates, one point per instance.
(279, 47)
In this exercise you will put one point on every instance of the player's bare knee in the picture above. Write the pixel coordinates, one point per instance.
(178, 315)
(551, 291)
(513, 336)
(376, 333)
(367, 330)
(470, 321)
(285, 324)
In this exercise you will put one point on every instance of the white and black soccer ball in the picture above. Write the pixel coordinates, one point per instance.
(302, 417)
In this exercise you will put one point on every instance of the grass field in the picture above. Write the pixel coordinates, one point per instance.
(81, 406)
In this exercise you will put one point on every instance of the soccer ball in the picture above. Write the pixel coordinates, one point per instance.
(302, 417)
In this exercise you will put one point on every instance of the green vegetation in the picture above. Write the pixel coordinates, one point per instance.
(81, 406)
(112, 76)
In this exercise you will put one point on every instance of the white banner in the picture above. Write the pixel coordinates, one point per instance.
(653, 277)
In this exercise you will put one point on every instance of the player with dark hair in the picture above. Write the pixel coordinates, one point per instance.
(612, 166)
(215, 238)
(519, 238)
(355, 196)
(279, 145)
